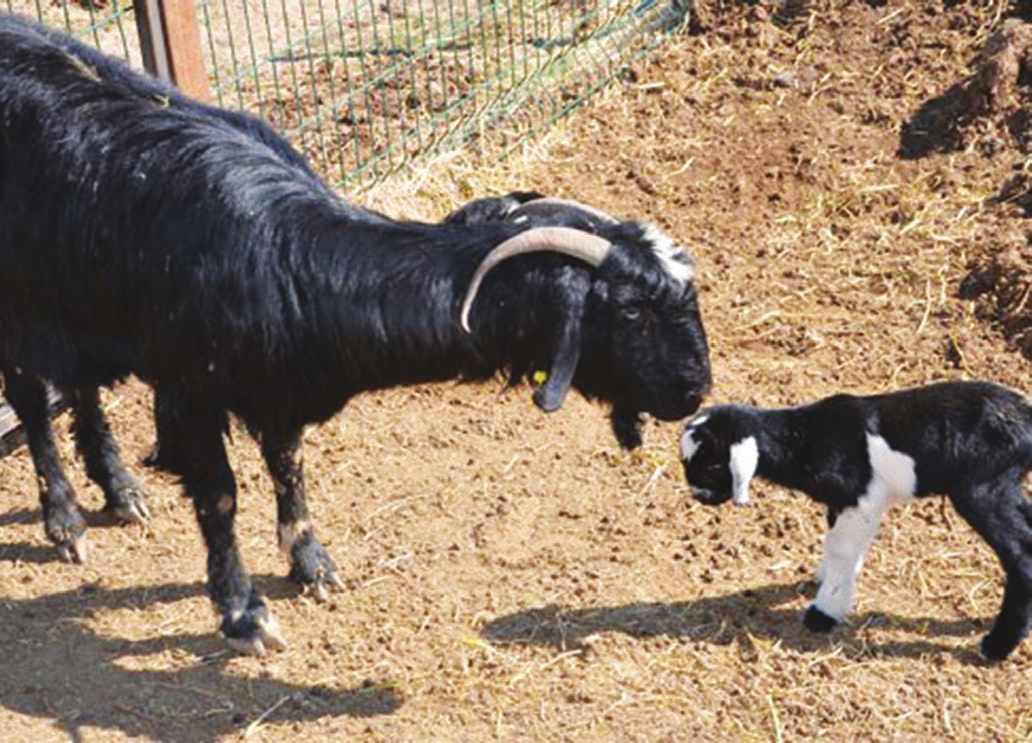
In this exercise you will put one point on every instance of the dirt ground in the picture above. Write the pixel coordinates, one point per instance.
(853, 182)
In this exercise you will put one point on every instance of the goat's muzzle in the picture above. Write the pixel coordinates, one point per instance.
(710, 497)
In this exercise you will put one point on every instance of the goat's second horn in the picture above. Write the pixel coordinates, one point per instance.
(575, 243)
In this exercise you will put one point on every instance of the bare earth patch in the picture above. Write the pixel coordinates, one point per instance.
(512, 576)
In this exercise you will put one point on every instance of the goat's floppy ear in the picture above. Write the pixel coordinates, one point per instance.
(744, 458)
(565, 355)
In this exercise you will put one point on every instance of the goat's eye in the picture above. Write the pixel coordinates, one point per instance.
(630, 313)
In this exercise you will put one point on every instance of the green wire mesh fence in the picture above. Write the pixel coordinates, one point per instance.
(364, 87)
(108, 26)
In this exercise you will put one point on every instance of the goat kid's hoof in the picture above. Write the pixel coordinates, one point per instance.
(254, 636)
(817, 621)
(995, 650)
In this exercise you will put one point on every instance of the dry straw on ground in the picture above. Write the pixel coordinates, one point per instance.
(513, 576)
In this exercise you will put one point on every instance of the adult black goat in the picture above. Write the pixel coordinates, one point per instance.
(27, 394)
(138, 235)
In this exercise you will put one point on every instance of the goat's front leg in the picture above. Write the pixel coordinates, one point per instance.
(844, 549)
(122, 494)
(831, 517)
(310, 564)
(65, 527)
(247, 623)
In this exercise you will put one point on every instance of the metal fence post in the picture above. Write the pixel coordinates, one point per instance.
(170, 42)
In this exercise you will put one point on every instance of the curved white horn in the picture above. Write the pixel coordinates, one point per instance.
(587, 247)
(548, 204)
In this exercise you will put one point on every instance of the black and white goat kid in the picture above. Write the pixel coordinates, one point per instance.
(141, 235)
(969, 441)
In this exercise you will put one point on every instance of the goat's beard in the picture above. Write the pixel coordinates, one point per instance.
(626, 428)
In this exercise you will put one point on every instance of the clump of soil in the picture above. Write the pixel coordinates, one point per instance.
(990, 112)
(1001, 280)
(993, 103)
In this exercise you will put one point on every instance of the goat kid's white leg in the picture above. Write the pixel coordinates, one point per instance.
(844, 550)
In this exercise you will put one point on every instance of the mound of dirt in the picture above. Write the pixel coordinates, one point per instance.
(990, 112)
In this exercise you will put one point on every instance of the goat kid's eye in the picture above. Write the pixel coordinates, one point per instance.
(630, 313)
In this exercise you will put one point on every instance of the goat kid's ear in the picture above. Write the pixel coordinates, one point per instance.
(745, 457)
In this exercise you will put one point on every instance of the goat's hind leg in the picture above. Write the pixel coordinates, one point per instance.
(310, 564)
(247, 624)
(122, 494)
(65, 527)
(1002, 515)
(163, 456)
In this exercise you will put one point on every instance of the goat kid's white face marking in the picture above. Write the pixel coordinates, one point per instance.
(893, 479)
(689, 445)
(745, 456)
(672, 255)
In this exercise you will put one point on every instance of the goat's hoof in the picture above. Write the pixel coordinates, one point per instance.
(817, 621)
(254, 633)
(67, 532)
(73, 549)
(128, 507)
(995, 649)
(313, 568)
(318, 589)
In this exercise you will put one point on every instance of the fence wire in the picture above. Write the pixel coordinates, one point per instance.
(364, 87)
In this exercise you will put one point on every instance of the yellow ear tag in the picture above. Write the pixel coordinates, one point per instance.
(539, 378)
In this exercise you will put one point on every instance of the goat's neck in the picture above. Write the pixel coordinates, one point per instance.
(395, 299)
(781, 437)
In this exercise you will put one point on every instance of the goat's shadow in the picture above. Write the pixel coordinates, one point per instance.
(734, 618)
(57, 668)
(21, 516)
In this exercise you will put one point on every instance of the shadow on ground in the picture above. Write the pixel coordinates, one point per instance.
(733, 618)
(56, 668)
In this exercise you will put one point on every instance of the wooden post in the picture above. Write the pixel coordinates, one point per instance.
(170, 41)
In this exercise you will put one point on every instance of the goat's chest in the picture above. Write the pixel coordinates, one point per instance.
(893, 473)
